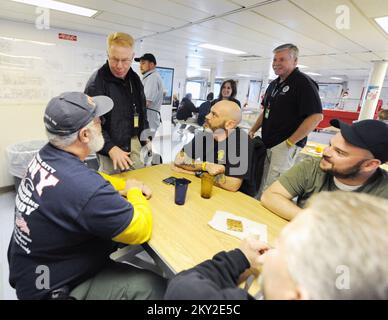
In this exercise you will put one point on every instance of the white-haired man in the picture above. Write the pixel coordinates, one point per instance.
(335, 249)
(292, 109)
(68, 219)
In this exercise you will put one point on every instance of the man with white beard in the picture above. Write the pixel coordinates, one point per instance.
(68, 219)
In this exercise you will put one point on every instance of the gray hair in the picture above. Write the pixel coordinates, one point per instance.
(293, 49)
(345, 236)
(62, 142)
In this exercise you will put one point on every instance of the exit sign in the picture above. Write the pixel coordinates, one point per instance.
(65, 36)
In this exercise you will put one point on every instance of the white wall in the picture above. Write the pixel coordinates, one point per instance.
(355, 89)
(27, 84)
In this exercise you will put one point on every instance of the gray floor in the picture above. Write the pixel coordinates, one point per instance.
(7, 203)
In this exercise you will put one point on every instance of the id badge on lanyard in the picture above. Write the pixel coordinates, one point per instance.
(266, 113)
(273, 96)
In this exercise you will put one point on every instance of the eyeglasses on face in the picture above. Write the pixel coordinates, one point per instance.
(116, 61)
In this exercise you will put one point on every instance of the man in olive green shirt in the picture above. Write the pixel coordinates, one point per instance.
(351, 163)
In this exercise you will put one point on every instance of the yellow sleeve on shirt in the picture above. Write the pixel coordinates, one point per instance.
(140, 228)
(117, 183)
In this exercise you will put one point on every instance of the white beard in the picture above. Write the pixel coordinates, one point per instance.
(96, 142)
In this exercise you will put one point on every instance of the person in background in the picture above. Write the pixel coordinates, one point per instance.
(351, 263)
(123, 125)
(153, 89)
(223, 150)
(351, 163)
(68, 219)
(292, 109)
(204, 108)
(383, 115)
(228, 91)
(186, 108)
(175, 101)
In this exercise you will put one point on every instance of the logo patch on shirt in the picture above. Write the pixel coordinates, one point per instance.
(220, 155)
(285, 89)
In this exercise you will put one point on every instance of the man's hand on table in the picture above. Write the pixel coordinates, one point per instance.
(132, 183)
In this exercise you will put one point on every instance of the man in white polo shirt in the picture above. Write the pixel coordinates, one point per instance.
(153, 89)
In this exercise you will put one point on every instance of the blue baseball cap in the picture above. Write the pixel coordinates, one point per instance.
(71, 111)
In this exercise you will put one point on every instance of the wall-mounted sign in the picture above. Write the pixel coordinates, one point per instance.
(65, 36)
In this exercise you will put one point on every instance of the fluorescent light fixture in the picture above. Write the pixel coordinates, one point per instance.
(12, 68)
(60, 6)
(195, 56)
(21, 57)
(383, 23)
(204, 69)
(301, 66)
(219, 48)
(313, 74)
(336, 78)
(243, 75)
(28, 41)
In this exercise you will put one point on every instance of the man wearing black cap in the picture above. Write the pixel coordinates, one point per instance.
(351, 163)
(68, 219)
(153, 89)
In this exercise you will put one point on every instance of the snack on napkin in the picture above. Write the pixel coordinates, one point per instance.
(234, 225)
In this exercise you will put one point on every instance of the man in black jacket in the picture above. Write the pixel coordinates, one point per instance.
(123, 125)
(335, 249)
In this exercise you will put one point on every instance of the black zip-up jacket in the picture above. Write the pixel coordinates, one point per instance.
(128, 97)
(214, 279)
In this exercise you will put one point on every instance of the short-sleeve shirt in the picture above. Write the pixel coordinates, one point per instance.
(306, 178)
(234, 152)
(65, 218)
(286, 105)
(153, 89)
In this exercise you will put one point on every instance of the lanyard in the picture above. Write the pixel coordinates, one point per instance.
(279, 86)
(275, 91)
(148, 75)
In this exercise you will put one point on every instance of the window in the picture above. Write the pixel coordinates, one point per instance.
(217, 88)
(194, 87)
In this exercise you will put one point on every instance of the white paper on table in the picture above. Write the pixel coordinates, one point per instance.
(249, 227)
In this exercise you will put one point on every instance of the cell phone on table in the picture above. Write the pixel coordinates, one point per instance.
(170, 180)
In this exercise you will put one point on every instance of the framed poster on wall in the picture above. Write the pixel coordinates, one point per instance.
(167, 75)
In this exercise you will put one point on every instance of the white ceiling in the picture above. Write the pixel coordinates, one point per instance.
(173, 29)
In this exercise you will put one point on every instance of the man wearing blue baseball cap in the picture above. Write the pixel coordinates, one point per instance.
(351, 163)
(68, 219)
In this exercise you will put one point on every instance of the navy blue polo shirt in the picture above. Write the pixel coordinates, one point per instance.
(287, 105)
(65, 218)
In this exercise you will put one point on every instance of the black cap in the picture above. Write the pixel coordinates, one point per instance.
(371, 135)
(71, 111)
(147, 56)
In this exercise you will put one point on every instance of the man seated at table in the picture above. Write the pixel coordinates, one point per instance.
(348, 229)
(68, 219)
(350, 163)
(223, 150)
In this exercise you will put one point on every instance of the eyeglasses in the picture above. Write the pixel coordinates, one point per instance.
(116, 61)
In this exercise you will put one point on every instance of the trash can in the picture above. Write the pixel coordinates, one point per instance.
(20, 156)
